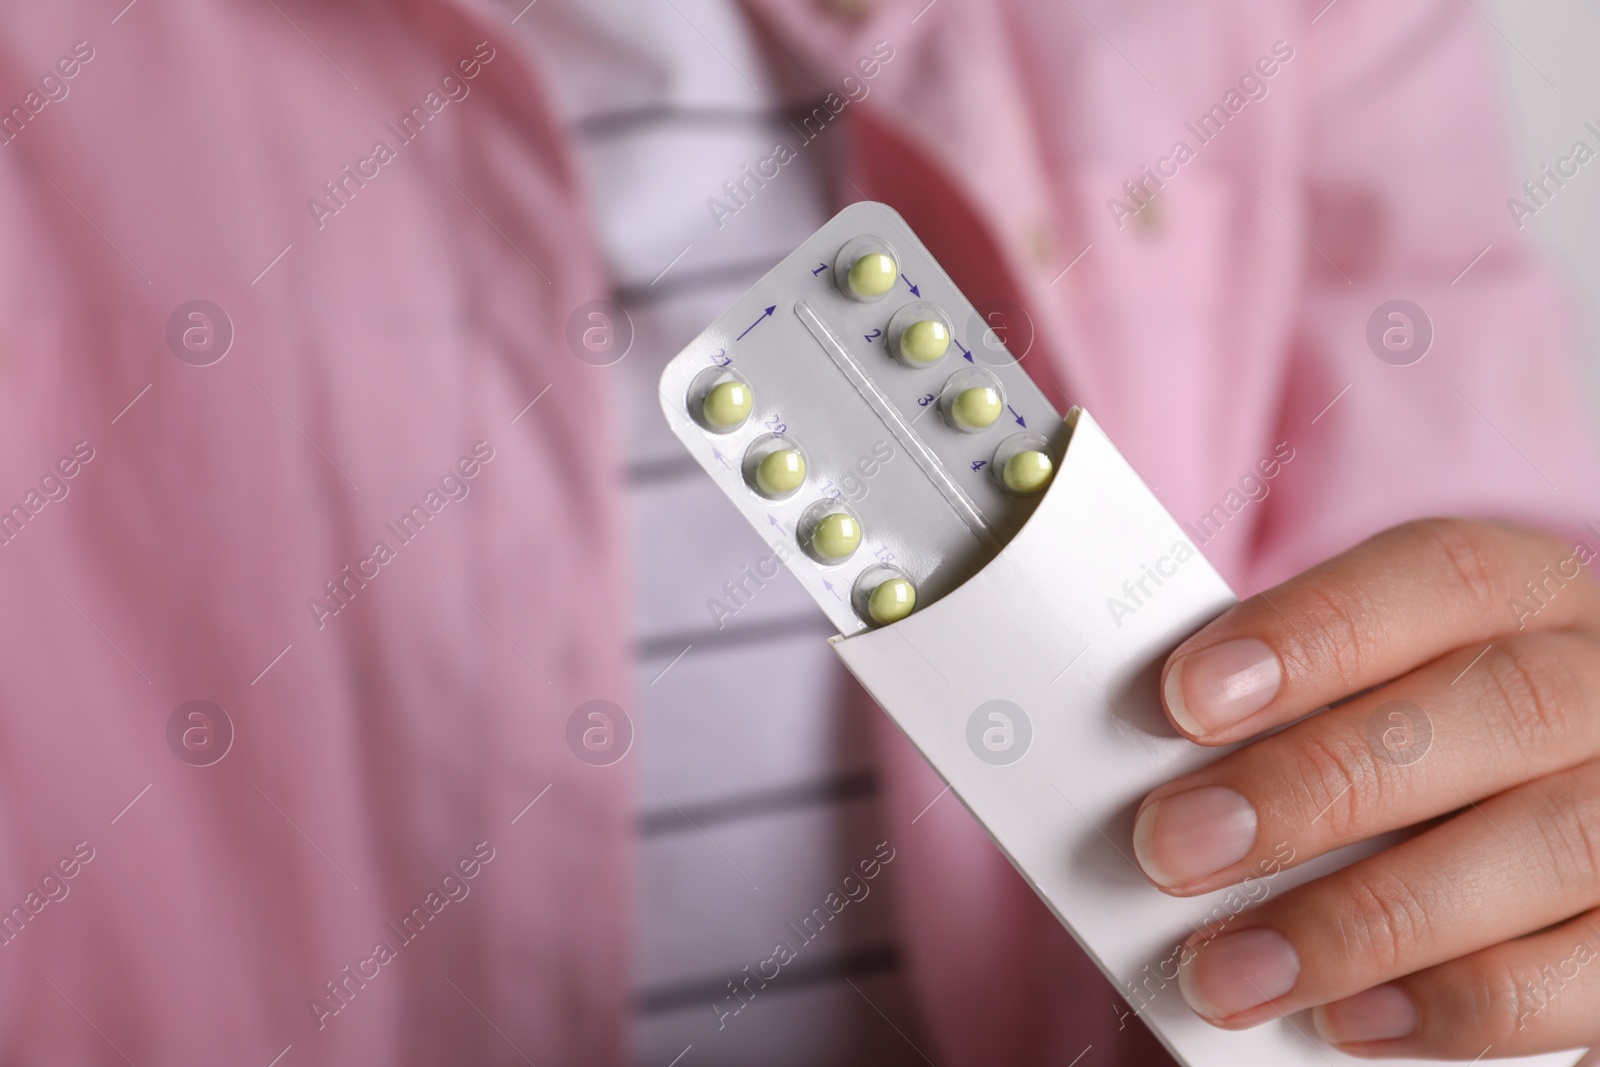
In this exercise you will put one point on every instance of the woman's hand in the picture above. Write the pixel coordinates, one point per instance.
(1475, 649)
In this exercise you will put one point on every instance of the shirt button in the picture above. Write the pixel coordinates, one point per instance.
(849, 10)
(1149, 220)
(1041, 243)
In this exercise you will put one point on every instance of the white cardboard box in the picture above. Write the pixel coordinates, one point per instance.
(1033, 629)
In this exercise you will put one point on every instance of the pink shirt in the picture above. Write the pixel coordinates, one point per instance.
(391, 340)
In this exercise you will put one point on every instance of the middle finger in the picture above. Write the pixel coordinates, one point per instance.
(1453, 731)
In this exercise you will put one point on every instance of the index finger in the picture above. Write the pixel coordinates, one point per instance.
(1392, 603)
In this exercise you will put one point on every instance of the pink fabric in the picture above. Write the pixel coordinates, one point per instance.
(409, 727)
(422, 317)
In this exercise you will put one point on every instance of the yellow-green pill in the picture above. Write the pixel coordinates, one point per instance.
(925, 341)
(1027, 472)
(873, 274)
(835, 536)
(727, 405)
(780, 473)
(892, 601)
(976, 408)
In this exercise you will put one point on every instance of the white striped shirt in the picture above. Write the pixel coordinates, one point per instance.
(756, 792)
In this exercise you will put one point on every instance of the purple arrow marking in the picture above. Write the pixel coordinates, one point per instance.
(764, 315)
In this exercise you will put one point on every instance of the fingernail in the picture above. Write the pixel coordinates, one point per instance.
(1380, 1014)
(1189, 835)
(1237, 972)
(1218, 686)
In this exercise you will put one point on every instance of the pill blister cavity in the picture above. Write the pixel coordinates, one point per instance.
(866, 269)
(1022, 464)
(720, 400)
(873, 274)
(919, 334)
(829, 532)
(925, 341)
(976, 407)
(1027, 472)
(972, 400)
(836, 536)
(775, 466)
(727, 405)
(883, 594)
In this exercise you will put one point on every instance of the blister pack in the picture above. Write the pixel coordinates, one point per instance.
(867, 420)
(1003, 582)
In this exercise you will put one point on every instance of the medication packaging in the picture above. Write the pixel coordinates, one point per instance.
(972, 546)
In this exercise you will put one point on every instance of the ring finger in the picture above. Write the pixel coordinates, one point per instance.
(1518, 862)
(1520, 998)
